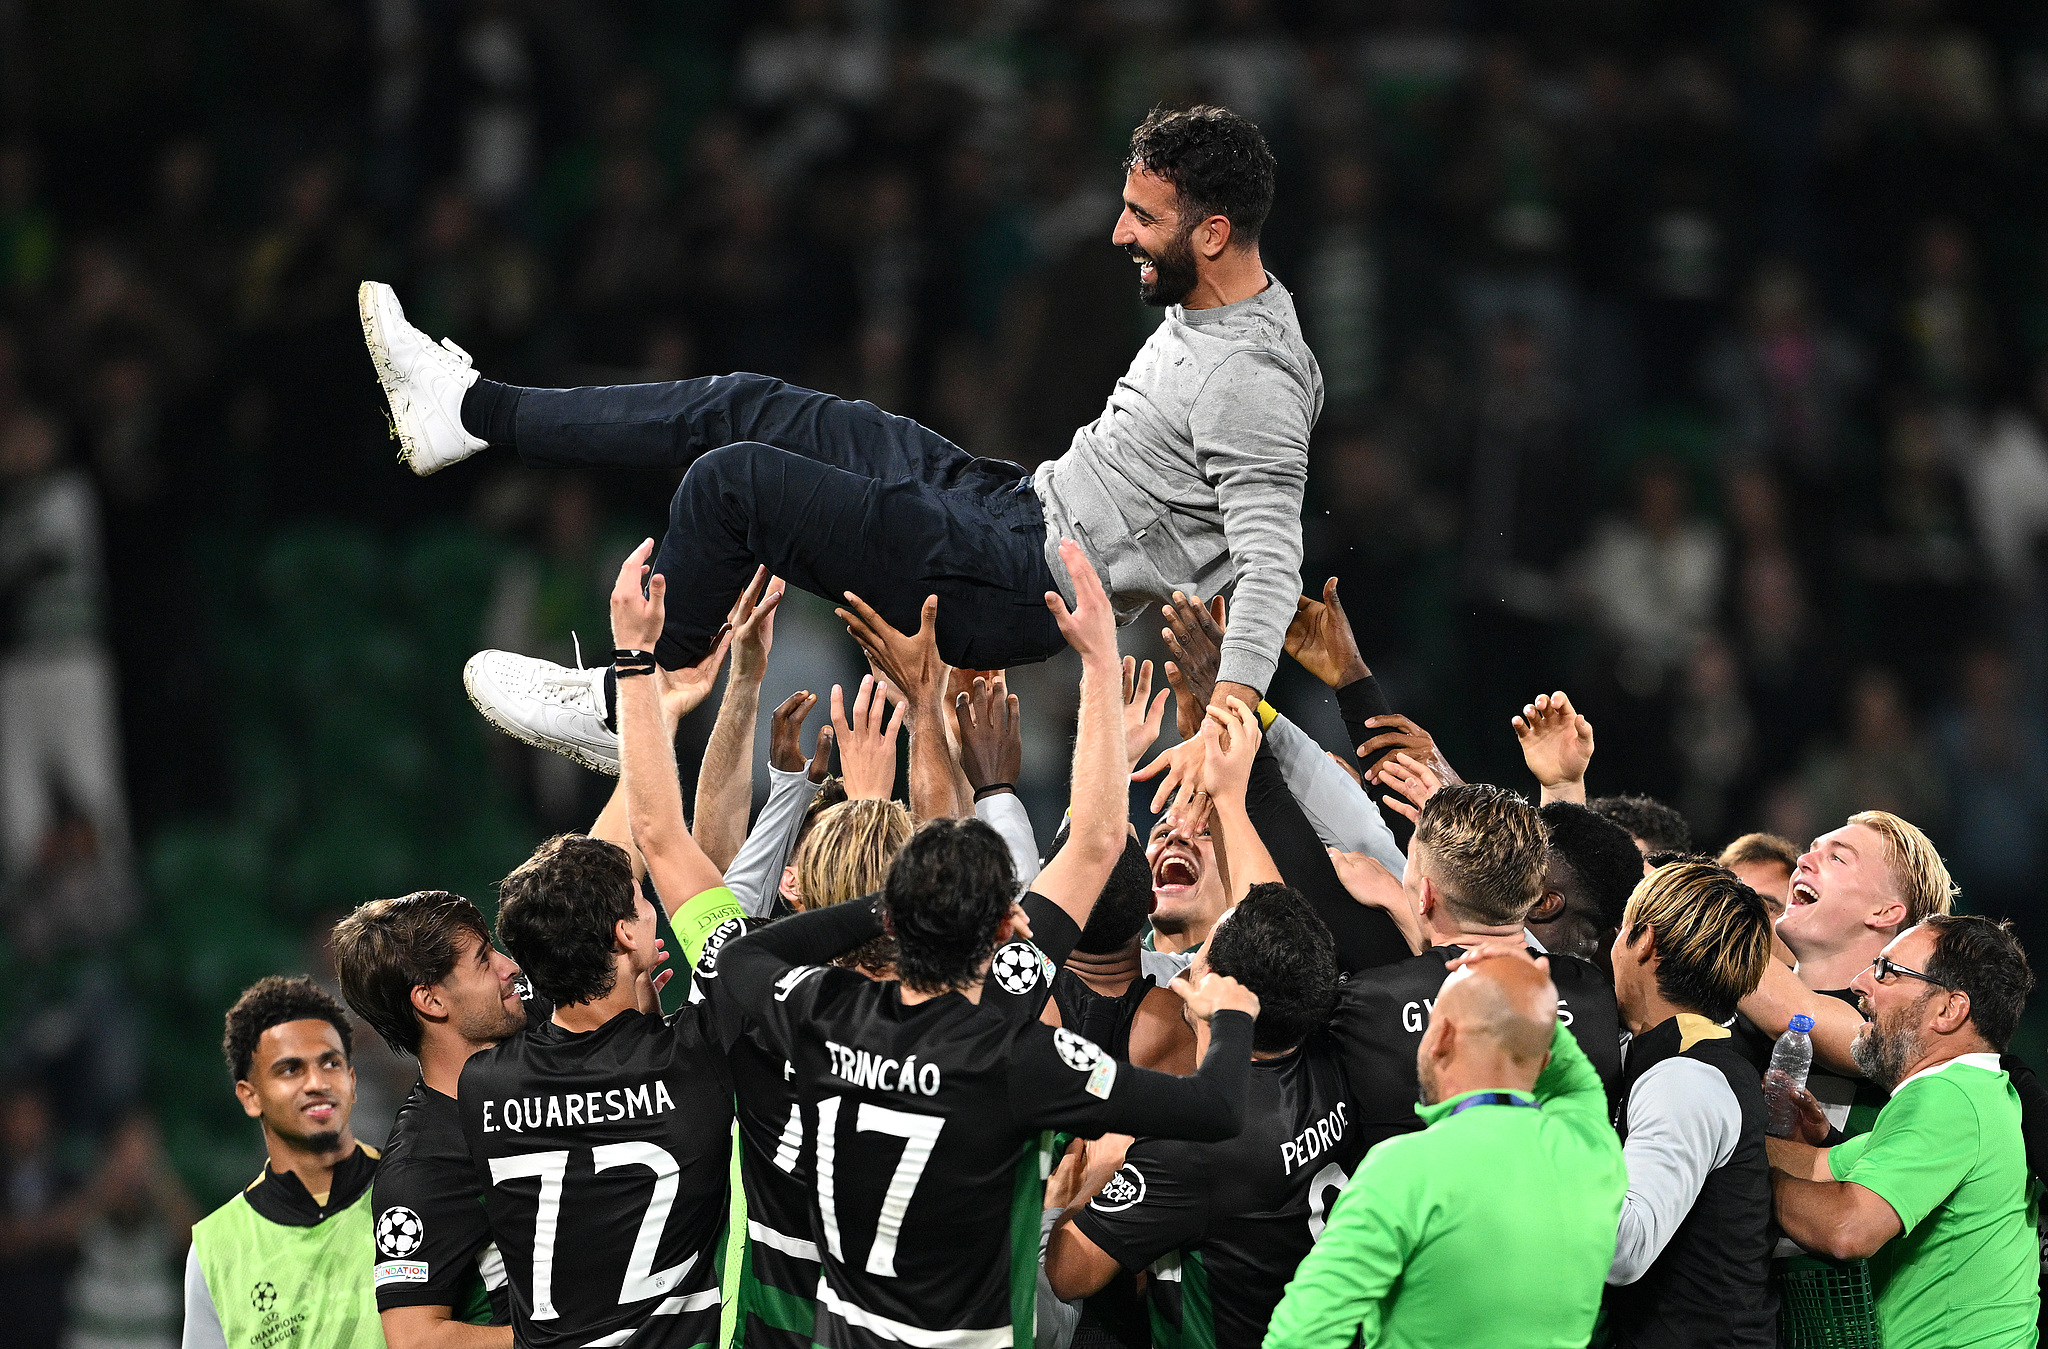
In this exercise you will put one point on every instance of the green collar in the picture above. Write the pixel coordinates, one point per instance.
(1445, 1109)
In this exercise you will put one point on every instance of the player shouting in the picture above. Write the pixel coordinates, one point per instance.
(924, 1100)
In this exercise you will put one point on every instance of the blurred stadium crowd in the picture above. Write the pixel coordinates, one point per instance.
(1693, 358)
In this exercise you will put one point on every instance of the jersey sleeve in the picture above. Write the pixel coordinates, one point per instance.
(1158, 1201)
(1060, 1080)
(774, 974)
(430, 1226)
(705, 921)
(1923, 1146)
(1020, 974)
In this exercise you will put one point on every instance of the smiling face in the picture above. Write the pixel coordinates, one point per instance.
(481, 993)
(1187, 885)
(300, 1085)
(1158, 240)
(1842, 896)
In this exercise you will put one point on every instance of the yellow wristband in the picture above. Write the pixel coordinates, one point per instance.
(1266, 714)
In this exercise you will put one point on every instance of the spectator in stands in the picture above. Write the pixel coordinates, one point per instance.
(40, 1215)
(1883, 763)
(59, 715)
(1936, 1195)
(1692, 1265)
(1654, 826)
(126, 1293)
(1431, 1239)
(1764, 863)
(1593, 867)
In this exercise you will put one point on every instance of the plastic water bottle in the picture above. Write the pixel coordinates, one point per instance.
(1790, 1061)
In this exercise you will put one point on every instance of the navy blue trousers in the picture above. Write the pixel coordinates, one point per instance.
(832, 495)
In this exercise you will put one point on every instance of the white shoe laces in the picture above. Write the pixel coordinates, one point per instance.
(575, 689)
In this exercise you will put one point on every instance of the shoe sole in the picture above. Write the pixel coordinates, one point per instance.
(387, 378)
(525, 737)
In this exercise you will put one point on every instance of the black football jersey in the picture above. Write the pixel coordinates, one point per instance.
(928, 1129)
(1221, 1226)
(780, 1281)
(1382, 1014)
(603, 1158)
(433, 1241)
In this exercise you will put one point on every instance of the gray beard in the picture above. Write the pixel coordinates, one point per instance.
(1883, 1057)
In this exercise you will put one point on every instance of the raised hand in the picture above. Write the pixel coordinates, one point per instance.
(1411, 778)
(1214, 993)
(637, 607)
(1141, 725)
(684, 690)
(1090, 626)
(753, 624)
(867, 748)
(786, 731)
(1371, 884)
(991, 734)
(1557, 745)
(1403, 733)
(1194, 634)
(910, 662)
(1230, 740)
(1320, 638)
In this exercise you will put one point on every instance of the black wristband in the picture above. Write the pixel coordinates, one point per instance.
(628, 671)
(995, 788)
(625, 655)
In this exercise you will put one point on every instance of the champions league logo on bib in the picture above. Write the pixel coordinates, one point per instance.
(1018, 968)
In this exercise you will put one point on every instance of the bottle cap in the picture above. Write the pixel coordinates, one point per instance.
(1802, 1024)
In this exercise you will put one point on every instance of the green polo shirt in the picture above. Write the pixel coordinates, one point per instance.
(1493, 1228)
(1947, 1155)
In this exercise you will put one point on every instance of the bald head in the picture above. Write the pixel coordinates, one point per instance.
(1491, 1029)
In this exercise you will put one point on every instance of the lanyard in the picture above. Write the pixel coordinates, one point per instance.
(1489, 1098)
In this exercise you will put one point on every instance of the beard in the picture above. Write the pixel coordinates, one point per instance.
(1173, 272)
(490, 1025)
(1882, 1050)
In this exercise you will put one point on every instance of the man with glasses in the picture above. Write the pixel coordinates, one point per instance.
(1936, 1196)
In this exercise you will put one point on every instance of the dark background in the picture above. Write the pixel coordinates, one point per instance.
(1686, 357)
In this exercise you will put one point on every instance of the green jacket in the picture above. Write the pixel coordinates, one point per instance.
(1493, 1228)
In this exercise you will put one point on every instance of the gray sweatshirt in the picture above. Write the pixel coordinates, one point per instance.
(1191, 478)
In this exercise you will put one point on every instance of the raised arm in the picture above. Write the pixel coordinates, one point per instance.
(1251, 425)
(1101, 808)
(692, 889)
(991, 755)
(1781, 996)
(1557, 745)
(1230, 744)
(913, 665)
(792, 786)
(725, 784)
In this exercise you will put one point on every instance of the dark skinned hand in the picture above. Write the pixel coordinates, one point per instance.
(1194, 635)
(1320, 638)
(991, 734)
(786, 737)
(1403, 734)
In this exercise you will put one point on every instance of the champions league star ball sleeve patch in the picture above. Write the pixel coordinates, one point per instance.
(400, 1233)
(1085, 1056)
(1018, 968)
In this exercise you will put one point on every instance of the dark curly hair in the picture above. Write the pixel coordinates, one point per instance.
(1274, 945)
(1983, 958)
(1646, 818)
(1217, 162)
(273, 1001)
(1603, 859)
(389, 947)
(946, 896)
(556, 913)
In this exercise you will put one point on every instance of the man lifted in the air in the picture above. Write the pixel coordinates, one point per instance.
(1190, 480)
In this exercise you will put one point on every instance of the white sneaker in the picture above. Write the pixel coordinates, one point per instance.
(544, 704)
(423, 381)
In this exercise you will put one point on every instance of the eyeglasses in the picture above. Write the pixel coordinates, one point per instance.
(1885, 970)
